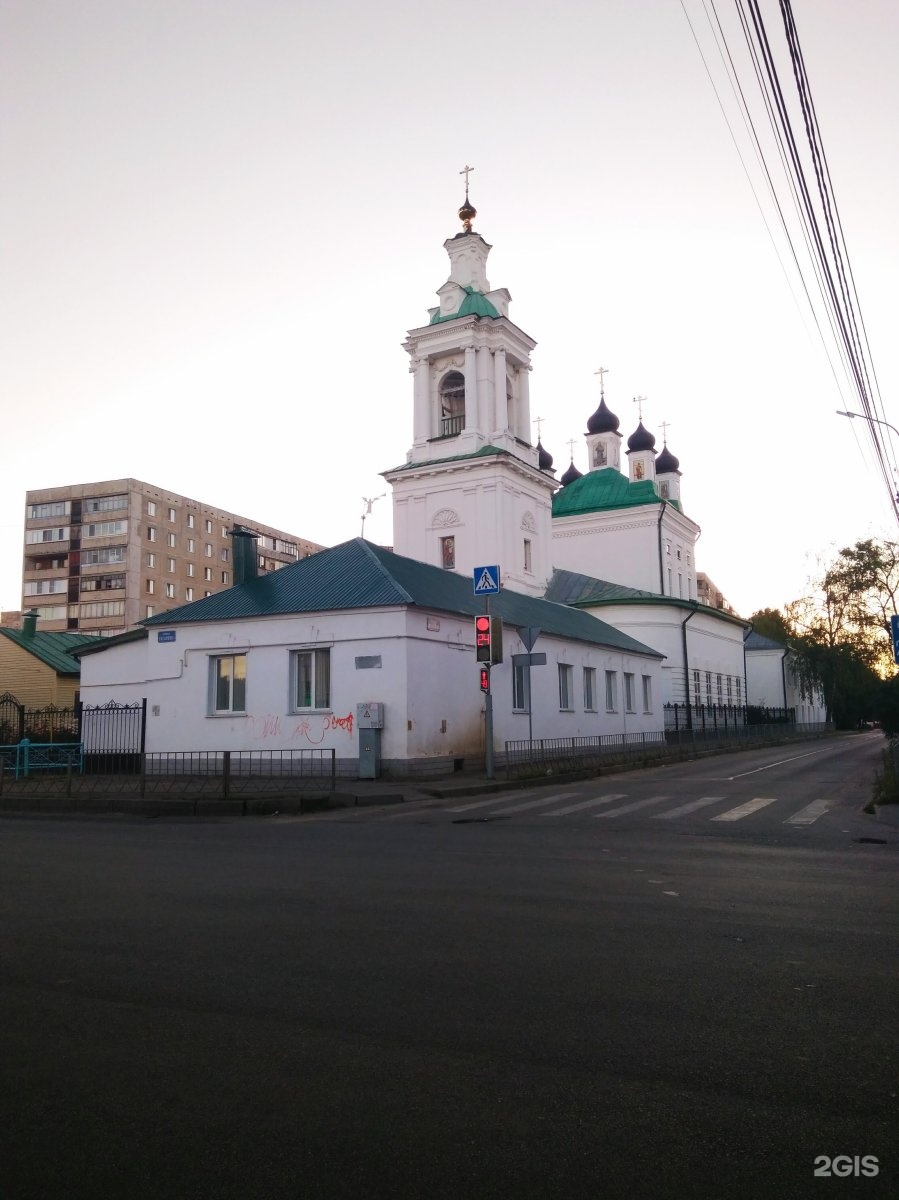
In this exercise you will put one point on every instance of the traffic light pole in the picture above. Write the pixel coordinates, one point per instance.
(488, 715)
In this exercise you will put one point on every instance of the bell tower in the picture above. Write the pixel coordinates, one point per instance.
(472, 491)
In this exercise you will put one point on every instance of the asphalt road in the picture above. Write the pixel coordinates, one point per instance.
(420, 1007)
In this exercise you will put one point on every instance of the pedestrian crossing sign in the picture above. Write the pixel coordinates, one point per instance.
(486, 580)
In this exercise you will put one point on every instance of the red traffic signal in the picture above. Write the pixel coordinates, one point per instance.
(485, 679)
(482, 639)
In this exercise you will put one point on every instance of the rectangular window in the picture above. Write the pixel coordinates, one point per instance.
(151, 508)
(311, 679)
(207, 573)
(565, 699)
(208, 527)
(697, 690)
(448, 553)
(190, 570)
(680, 585)
(188, 594)
(629, 702)
(170, 591)
(37, 536)
(103, 528)
(151, 559)
(151, 587)
(611, 691)
(104, 504)
(172, 514)
(57, 508)
(191, 545)
(224, 553)
(170, 562)
(149, 610)
(224, 531)
(228, 673)
(519, 687)
(720, 689)
(207, 550)
(667, 547)
(678, 555)
(55, 612)
(151, 533)
(528, 559)
(170, 538)
(109, 554)
(104, 608)
(647, 693)
(739, 682)
(102, 583)
(669, 581)
(190, 521)
(708, 688)
(730, 692)
(224, 576)
(589, 689)
(45, 587)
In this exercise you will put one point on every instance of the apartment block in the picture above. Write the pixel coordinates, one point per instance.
(100, 557)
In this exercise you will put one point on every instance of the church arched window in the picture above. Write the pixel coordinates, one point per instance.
(452, 403)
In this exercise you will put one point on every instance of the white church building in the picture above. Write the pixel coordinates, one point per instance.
(601, 565)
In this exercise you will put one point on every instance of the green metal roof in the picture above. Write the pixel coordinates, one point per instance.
(358, 574)
(475, 304)
(582, 591)
(605, 488)
(54, 649)
(485, 452)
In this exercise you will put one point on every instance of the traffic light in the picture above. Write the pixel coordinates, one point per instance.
(488, 639)
(482, 639)
(484, 673)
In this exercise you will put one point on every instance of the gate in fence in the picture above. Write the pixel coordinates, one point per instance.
(113, 735)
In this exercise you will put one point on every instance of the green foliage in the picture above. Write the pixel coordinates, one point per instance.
(886, 709)
(886, 781)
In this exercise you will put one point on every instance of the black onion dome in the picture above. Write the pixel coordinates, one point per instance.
(603, 420)
(666, 462)
(544, 458)
(570, 475)
(641, 439)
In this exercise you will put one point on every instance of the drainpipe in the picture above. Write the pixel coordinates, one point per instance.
(661, 558)
(683, 634)
(783, 676)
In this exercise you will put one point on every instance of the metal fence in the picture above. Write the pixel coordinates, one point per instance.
(113, 735)
(542, 756)
(724, 716)
(194, 775)
(576, 753)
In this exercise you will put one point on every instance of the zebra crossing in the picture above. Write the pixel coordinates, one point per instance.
(609, 806)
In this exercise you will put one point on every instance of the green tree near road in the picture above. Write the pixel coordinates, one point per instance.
(839, 632)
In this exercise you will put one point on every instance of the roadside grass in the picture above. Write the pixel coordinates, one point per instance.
(885, 789)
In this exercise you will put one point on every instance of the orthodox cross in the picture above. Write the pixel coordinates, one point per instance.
(571, 445)
(640, 401)
(665, 425)
(602, 383)
(466, 171)
(538, 421)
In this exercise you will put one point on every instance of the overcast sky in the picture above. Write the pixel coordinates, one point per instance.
(220, 217)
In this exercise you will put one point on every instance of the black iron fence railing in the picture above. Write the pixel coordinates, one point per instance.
(541, 756)
(223, 774)
(725, 716)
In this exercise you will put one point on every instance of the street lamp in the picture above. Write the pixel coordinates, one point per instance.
(875, 421)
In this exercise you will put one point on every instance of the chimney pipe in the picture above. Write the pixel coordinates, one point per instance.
(29, 623)
(243, 554)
